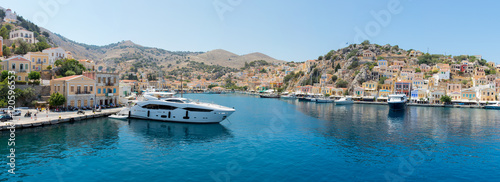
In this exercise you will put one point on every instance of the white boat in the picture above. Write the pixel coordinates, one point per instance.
(344, 101)
(180, 110)
(118, 116)
(157, 95)
(493, 106)
(397, 101)
(288, 97)
(324, 100)
(123, 114)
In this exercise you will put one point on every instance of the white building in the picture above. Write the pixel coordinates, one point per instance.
(444, 74)
(55, 54)
(25, 35)
(10, 17)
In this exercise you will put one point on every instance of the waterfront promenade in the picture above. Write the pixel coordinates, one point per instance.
(55, 118)
(423, 105)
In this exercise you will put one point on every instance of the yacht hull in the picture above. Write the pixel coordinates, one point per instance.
(180, 115)
(397, 105)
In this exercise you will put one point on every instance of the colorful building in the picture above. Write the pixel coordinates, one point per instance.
(20, 65)
(77, 89)
(107, 87)
(39, 60)
(402, 87)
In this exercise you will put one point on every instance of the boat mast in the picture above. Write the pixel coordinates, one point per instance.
(181, 84)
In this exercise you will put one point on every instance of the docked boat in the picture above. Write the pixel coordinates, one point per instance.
(122, 115)
(397, 101)
(288, 97)
(119, 116)
(180, 110)
(493, 106)
(344, 101)
(269, 96)
(324, 100)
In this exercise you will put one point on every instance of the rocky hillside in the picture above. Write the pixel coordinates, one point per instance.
(348, 65)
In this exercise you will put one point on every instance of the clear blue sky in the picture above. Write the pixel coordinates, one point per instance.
(286, 30)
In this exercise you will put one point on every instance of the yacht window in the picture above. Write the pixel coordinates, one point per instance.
(174, 100)
(197, 109)
(150, 106)
(166, 107)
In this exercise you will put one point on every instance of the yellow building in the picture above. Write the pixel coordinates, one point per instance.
(39, 60)
(487, 94)
(339, 92)
(469, 94)
(107, 87)
(386, 86)
(327, 90)
(370, 88)
(20, 65)
(78, 90)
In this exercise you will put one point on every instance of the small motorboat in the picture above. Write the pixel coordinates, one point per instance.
(344, 101)
(122, 115)
(119, 116)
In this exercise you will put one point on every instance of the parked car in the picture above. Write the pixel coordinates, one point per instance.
(5, 117)
(16, 112)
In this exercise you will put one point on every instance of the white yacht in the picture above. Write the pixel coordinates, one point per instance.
(397, 101)
(344, 101)
(179, 110)
(157, 95)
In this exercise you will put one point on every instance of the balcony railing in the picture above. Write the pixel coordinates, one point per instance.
(82, 92)
(109, 84)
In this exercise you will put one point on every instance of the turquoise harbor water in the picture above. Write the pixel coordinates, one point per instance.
(268, 140)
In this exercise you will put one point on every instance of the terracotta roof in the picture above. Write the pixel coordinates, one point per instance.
(18, 58)
(51, 48)
(68, 77)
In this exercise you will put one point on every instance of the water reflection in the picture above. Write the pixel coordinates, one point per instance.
(41, 145)
(166, 132)
(368, 129)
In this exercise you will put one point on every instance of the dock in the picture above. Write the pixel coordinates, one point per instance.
(423, 105)
(51, 118)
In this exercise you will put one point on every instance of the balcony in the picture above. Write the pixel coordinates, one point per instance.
(109, 84)
(82, 92)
